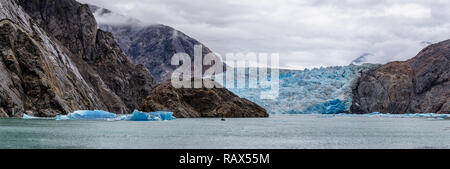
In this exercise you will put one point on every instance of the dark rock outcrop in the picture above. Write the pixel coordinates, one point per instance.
(54, 60)
(153, 45)
(419, 85)
(202, 102)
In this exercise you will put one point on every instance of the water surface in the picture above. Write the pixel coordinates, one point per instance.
(278, 131)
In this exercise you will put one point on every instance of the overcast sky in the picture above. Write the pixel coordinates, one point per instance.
(308, 33)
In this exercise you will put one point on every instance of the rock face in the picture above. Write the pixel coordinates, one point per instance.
(419, 85)
(54, 60)
(152, 46)
(203, 102)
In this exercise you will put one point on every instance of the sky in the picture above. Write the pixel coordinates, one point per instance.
(305, 33)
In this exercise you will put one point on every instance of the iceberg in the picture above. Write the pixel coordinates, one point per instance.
(151, 116)
(88, 115)
(108, 116)
(30, 117)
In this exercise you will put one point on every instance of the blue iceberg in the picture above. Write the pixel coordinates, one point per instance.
(104, 115)
(29, 117)
(88, 115)
(151, 116)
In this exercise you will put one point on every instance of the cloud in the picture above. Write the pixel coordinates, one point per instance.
(306, 33)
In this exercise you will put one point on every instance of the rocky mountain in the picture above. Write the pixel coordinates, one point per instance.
(202, 102)
(364, 58)
(418, 85)
(54, 60)
(152, 46)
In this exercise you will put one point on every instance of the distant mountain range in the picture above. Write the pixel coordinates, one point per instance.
(364, 58)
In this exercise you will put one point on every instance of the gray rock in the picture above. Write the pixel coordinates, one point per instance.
(419, 85)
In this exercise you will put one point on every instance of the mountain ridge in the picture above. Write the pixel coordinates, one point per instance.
(150, 45)
(418, 85)
(48, 70)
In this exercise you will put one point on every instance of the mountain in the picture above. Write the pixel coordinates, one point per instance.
(418, 85)
(54, 60)
(152, 46)
(364, 58)
(202, 102)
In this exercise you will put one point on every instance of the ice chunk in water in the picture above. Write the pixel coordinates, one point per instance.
(104, 115)
(88, 115)
(25, 116)
(164, 115)
(151, 116)
(139, 116)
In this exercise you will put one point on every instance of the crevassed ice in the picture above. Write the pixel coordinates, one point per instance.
(316, 91)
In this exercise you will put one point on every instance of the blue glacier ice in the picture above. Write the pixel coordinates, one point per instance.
(87, 115)
(104, 115)
(310, 91)
(29, 117)
(151, 116)
(139, 116)
(331, 107)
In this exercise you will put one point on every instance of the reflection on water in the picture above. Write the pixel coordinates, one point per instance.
(283, 131)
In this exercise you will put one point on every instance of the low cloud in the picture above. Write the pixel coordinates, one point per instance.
(306, 34)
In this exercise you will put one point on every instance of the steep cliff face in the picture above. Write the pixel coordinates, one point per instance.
(419, 85)
(74, 25)
(54, 60)
(152, 46)
(202, 102)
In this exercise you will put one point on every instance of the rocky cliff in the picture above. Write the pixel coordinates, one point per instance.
(202, 102)
(419, 85)
(54, 60)
(152, 45)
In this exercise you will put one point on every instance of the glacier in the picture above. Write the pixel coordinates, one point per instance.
(325, 90)
(108, 116)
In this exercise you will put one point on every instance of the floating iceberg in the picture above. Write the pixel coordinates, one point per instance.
(151, 116)
(29, 117)
(88, 115)
(319, 90)
(104, 115)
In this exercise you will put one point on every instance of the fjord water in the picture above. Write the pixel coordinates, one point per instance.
(278, 131)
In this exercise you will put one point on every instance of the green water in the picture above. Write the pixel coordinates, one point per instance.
(282, 131)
